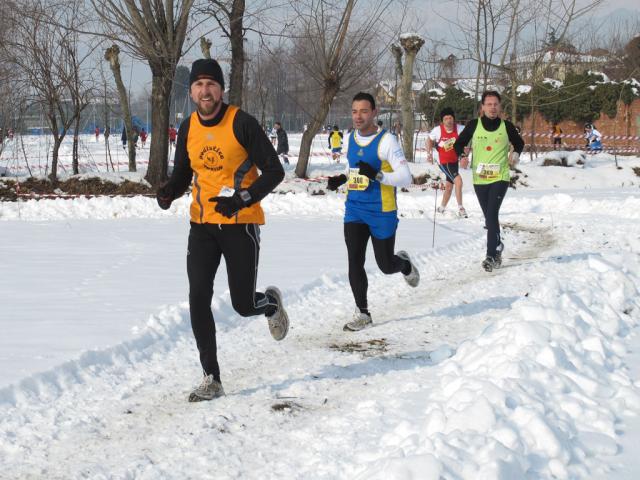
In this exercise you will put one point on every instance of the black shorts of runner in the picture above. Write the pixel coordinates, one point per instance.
(557, 141)
(450, 171)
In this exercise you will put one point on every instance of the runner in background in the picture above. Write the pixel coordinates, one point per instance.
(283, 143)
(594, 138)
(490, 137)
(556, 133)
(335, 143)
(375, 167)
(443, 137)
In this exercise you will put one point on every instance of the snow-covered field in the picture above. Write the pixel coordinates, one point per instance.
(529, 372)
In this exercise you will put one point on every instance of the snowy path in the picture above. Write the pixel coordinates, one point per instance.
(517, 374)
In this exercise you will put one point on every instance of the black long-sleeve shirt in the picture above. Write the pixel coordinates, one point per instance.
(283, 141)
(490, 125)
(251, 136)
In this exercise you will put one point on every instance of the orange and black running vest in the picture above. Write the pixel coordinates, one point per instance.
(218, 161)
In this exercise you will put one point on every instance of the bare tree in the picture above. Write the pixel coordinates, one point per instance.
(262, 69)
(235, 18)
(333, 54)
(229, 14)
(155, 31)
(45, 53)
(550, 24)
(80, 83)
(112, 55)
(8, 78)
(495, 34)
(411, 44)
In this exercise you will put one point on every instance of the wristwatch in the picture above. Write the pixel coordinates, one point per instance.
(379, 176)
(245, 196)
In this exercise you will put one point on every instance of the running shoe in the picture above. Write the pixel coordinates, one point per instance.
(359, 322)
(207, 390)
(413, 277)
(279, 321)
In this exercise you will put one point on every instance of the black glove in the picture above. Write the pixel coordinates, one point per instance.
(228, 206)
(367, 170)
(164, 196)
(335, 182)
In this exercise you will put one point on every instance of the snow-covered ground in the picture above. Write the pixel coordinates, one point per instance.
(528, 372)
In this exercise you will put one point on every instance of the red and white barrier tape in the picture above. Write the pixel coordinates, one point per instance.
(580, 135)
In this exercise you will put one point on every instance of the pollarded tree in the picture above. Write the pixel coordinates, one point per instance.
(335, 54)
(154, 30)
(229, 14)
(411, 44)
(112, 55)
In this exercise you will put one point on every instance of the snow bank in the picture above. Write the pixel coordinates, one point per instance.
(296, 198)
(160, 334)
(537, 395)
(518, 374)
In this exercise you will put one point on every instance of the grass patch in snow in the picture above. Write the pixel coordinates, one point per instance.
(78, 185)
(286, 406)
(374, 346)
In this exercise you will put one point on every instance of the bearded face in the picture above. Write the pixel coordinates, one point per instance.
(207, 95)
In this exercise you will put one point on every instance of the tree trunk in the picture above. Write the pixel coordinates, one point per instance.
(205, 47)
(57, 141)
(406, 103)
(411, 47)
(76, 130)
(313, 128)
(627, 120)
(114, 62)
(158, 150)
(532, 147)
(107, 153)
(131, 146)
(514, 98)
(396, 50)
(236, 76)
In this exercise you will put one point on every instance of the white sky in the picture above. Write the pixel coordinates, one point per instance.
(422, 9)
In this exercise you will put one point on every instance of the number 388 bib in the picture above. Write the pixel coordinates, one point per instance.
(356, 181)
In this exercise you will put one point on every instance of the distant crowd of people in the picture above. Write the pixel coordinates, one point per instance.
(279, 138)
(139, 134)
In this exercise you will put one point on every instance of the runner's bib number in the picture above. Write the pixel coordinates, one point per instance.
(447, 145)
(356, 181)
(226, 192)
(488, 170)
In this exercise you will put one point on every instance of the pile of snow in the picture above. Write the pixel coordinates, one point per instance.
(537, 394)
(604, 77)
(564, 158)
(523, 89)
(553, 82)
(411, 35)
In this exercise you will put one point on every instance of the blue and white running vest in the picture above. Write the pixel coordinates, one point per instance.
(369, 201)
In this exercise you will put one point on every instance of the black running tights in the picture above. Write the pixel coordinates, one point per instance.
(490, 197)
(240, 245)
(356, 236)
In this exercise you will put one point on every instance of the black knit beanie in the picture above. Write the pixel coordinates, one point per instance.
(447, 111)
(206, 68)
